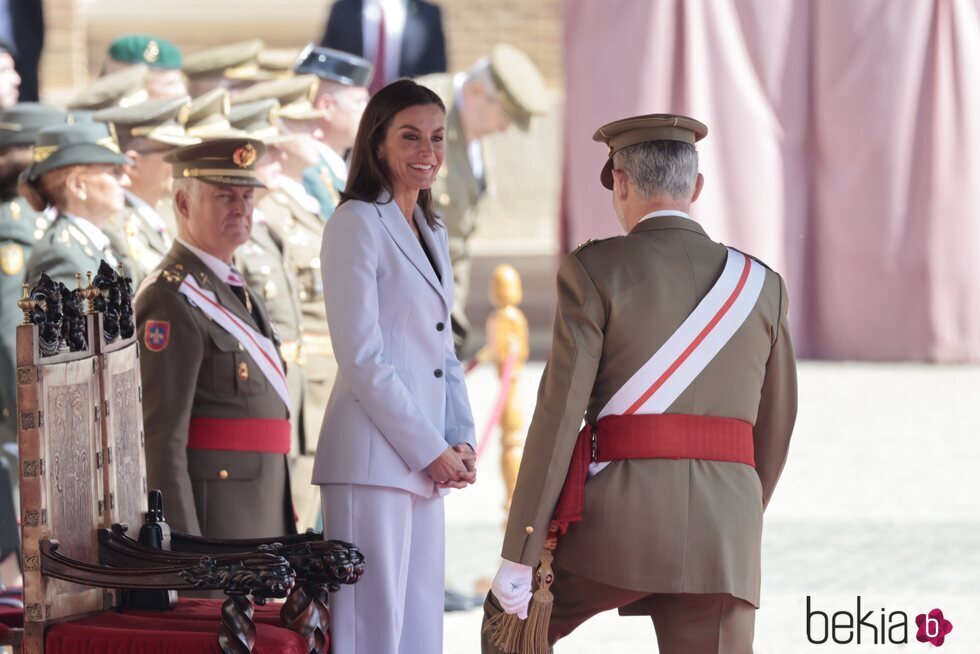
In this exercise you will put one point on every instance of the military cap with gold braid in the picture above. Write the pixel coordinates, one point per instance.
(228, 161)
(157, 120)
(295, 96)
(520, 87)
(208, 116)
(232, 59)
(71, 145)
(119, 89)
(258, 120)
(20, 123)
(625, 132)
(145, 49)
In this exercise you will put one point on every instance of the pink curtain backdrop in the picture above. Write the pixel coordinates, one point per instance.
(843, 150)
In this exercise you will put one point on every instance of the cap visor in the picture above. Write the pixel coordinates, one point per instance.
(232, 181)
(606, 175)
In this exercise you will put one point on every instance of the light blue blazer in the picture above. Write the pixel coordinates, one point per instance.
(399, 398)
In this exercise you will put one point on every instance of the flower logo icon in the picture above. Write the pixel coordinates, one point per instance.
(932, 627)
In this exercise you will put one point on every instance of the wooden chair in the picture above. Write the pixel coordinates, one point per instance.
(69, 387)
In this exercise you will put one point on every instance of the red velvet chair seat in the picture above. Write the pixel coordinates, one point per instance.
(123, 633)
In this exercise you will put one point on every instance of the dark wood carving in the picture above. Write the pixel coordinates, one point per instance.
(46, 314)
(115, 302)
(74, 326)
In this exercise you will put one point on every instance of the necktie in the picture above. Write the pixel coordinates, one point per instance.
(379, 59)
(237, 284)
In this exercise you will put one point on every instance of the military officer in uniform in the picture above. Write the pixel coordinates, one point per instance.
(146, 132)
(342, 95)
(20, 229)
(269, 271)
(292, 214)
(676, 350)
(164, 78)
(217, 418)
(220, 66)
(500, 90)
(78, 173)
(121, 88)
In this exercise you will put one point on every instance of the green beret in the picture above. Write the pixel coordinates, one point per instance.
(146, 49)
(227, 161)
(20, 123)
(157, 120)
(70, 145)
(625, 132)
(119, 89)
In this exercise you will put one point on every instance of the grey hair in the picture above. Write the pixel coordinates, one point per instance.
(188, 186)
(666, 169)
(479, 73)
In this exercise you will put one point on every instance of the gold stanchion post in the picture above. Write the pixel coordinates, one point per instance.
(507, 344)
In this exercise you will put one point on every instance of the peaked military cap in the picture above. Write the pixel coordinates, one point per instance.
(20, 123)
(157, 120)
(258, 120)
(520, 86)
(327, 63)
(208, 116)
(269, 65)
(70, 145)
(121, 88)
(295, 96)
(228, 161)
(223, 59)
(625, 132)
(146, 49)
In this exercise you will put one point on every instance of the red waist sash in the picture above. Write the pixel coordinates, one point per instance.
(269, 435)
(650, 436)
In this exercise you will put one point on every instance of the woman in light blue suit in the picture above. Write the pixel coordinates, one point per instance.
(398, 432)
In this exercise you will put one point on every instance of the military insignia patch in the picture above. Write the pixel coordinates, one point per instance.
(244, 156)
(157, 335)
(11, 259)
(243, 371)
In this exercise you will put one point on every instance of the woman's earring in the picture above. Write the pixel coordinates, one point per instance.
(83, 196)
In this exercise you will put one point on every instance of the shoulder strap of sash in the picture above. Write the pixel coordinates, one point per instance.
(260, 347)
(672, 368)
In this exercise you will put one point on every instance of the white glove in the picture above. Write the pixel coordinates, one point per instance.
(512, 587)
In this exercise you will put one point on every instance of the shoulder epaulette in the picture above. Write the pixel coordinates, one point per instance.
(753, 257)
(592, 241)
(173, 274)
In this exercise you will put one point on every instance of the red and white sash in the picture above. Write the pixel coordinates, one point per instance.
(672, 368)
(260, 347)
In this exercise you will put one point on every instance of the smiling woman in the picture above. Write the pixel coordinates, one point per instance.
(398, 431)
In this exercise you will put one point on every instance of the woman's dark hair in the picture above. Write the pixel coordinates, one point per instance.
(367, 175)
(14, 160)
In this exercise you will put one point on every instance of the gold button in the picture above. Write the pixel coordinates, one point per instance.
(529, 529)
(241, 348)
(222, 474)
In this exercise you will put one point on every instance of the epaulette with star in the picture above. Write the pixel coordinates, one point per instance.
(173, 274)
(753, 257)
(589, 242)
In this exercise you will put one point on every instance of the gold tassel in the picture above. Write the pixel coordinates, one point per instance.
(510, 634)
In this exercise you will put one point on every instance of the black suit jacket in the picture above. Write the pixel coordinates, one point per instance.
(423, 43)
(27, 18)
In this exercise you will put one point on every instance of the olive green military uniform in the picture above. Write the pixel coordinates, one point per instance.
(20, 229)
(145, 237)
(678, 539)
(458, 191)
(215, 493)
(65, 250)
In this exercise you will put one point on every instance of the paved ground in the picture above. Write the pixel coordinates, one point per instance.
(880, 499)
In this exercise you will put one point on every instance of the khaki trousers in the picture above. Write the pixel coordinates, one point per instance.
(709, 623)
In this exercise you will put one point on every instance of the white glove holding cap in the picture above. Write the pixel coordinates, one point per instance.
(512, 587)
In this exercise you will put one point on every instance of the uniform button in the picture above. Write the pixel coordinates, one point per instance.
(529, 529)
(438, 373)
(222, 474)
(440, 326)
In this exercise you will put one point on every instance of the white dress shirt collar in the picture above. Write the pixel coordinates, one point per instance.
(147, 212)
(92, 233)
(395, 12)
(221, 270)
(664, 212)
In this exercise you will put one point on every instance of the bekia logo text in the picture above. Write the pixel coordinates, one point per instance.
(873, 627)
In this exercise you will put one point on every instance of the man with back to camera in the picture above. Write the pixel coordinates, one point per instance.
(216, 407)
(677, 352)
